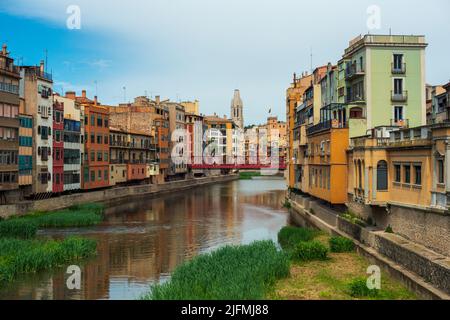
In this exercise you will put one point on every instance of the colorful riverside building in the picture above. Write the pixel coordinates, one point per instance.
(294, 97)
(220, 133)
(9, 128)
(195, 127)
(36, 88)
(25, 151)
(384, 82)
(73, 136)
(132, 156)
(177, 127)
(307, 114)
(150, 117)
(58, 147)
(95, 169)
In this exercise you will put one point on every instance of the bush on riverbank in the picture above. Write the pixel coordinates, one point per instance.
(358, 289)
(289, 237)
(309, 251)
(19, 256)
(248, 175)
(230, 273)
(341, 244)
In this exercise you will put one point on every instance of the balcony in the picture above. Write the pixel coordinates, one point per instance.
(325, 125)
(399, 97)
(352, 71)
(355, 99)
(10, 88)
(403, 123)
(398, 69)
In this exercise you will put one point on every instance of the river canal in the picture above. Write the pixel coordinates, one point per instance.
(142, 241)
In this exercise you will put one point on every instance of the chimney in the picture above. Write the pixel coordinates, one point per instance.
(95, 100)
(42, 66)
(157, 99)
(5, 50)
(70, 95)
(83, 93)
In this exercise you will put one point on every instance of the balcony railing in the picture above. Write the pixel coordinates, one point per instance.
(398, 69)
(404, 123)
(399, 97)
(353, 71)
(355, 99)
(8, 87)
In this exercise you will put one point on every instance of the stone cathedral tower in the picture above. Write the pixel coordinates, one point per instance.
(237, 109)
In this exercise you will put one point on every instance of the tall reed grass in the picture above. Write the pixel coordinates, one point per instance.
(230, 273)
(18, 256)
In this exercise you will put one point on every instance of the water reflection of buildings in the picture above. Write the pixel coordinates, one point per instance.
(145, 240)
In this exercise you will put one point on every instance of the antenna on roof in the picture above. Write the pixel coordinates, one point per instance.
(46, 59)
(390, 31)
(96, 87)
(311, 52)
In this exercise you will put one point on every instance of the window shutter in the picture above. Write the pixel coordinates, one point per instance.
(39, 151)
(39, 129)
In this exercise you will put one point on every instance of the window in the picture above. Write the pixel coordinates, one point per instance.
(99, 121)
(398, 62)
(356, 113)
(398, 113)
(418, 174)
(382, 176)
(92, 120)
(106, 123)
(99, 139)
(92, 155)
(106, 139)
(398, 173)
(440, 171)
(99, 175)
(99, 156)
(407, 169)
(398, 86)
(105, 156)
(93, 176)
(105, 175)
(92, 138)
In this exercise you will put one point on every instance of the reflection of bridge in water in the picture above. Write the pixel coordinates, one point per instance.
(254, 165)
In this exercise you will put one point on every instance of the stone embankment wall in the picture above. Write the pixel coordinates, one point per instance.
(424, 271)
(113, 194)
(426, 227)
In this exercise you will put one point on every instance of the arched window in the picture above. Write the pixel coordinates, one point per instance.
(382, 176)
(356, 113)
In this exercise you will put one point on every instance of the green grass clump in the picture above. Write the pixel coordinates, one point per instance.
(246, 175)
(351, 217)
(358, 289)
(18, 256)
(289, 237)
(309, 251)
(341, 244)
(76, 216)
(389, 229)
(230, 273)
(17, 228)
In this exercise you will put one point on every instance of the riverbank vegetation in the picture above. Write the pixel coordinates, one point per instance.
(325, 267)
(18, 256)
(76, 216)
(248, 175)
(310, 265)
(21, 252)
(230, 273)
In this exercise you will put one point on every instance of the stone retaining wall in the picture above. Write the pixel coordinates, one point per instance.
(112, 194)
(425, 271)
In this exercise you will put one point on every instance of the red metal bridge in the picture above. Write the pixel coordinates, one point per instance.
(280, 165)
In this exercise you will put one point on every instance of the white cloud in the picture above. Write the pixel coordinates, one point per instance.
(205, 49)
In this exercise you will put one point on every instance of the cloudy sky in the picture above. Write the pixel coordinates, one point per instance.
(204, 49)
